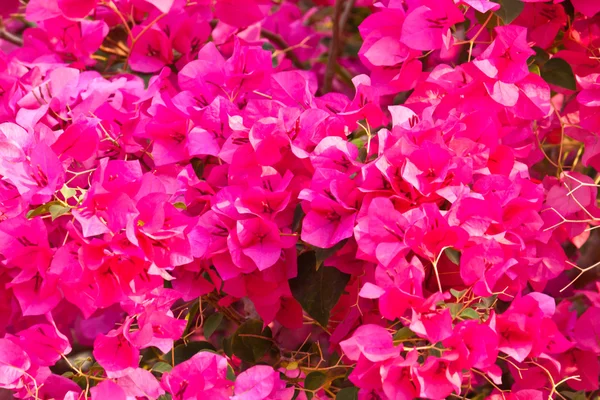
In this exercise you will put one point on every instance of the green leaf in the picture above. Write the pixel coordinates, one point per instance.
(198, 166)
(180, 205)
(268, 46)
(540, 57)
(359, 142)
(298, 216)
(185, 352)
(227, 346)
(68, 192)
(165, 396)
(349, 393)
(453, 255)
(211, 324)
(455, 309)
(362, 154)
(162, 367)
(317, 291)
(41, 210)
(509, 10)
(56, 210)
(469, 313)
(334, 358)
(574, 395)
(482, 17)
(403, 333)
(253, 347)
(323, 254)
(191, 317)
(557, 71)
(230, 373)
(146, 79)
(315, 380)
(81, 381)
(488, 301)
(457, 294)
(535, 69)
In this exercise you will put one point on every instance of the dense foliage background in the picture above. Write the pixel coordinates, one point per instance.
(278, 199)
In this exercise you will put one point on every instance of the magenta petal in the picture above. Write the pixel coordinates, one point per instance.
(14, 363)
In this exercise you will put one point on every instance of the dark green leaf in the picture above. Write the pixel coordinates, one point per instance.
(558, 72)
(540, 57)
(227, 346)
(165, 396)
(569, 9)
(146, 79)
(268, 46)
(509, 10)
(191, 317)
(482, 17)
(251, 342)
(334, 358)
(349, 393)
(298, 216)
(362, 154)
(315, 380)
(488, 301)
(324, 254)
(162, 367)
(185, 352)
(317, 291)
(230, 373)
(211, 324)
(453, 255)
(198, 166)
(581, 395)
(404, 333)
(81, 381)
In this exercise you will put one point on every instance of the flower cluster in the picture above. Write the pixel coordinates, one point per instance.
(279, 200)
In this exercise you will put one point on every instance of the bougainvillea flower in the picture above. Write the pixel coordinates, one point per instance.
(261, 382)
(436, 380)
(205, 374)
(151, 51)
(370, 341)
(221, 199)
(14, 364)
(425, 25)
(116, 355)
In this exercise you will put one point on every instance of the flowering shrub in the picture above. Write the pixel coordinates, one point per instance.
(262, 199)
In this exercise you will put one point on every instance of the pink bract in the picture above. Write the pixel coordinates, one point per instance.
(277, 200)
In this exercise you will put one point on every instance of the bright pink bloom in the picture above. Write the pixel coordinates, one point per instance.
(203, 375)
(261, 382)
(14, 364)
(371, 341)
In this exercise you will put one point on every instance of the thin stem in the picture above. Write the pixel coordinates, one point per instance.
(339, 20)
(278, 41)
(9, 37)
